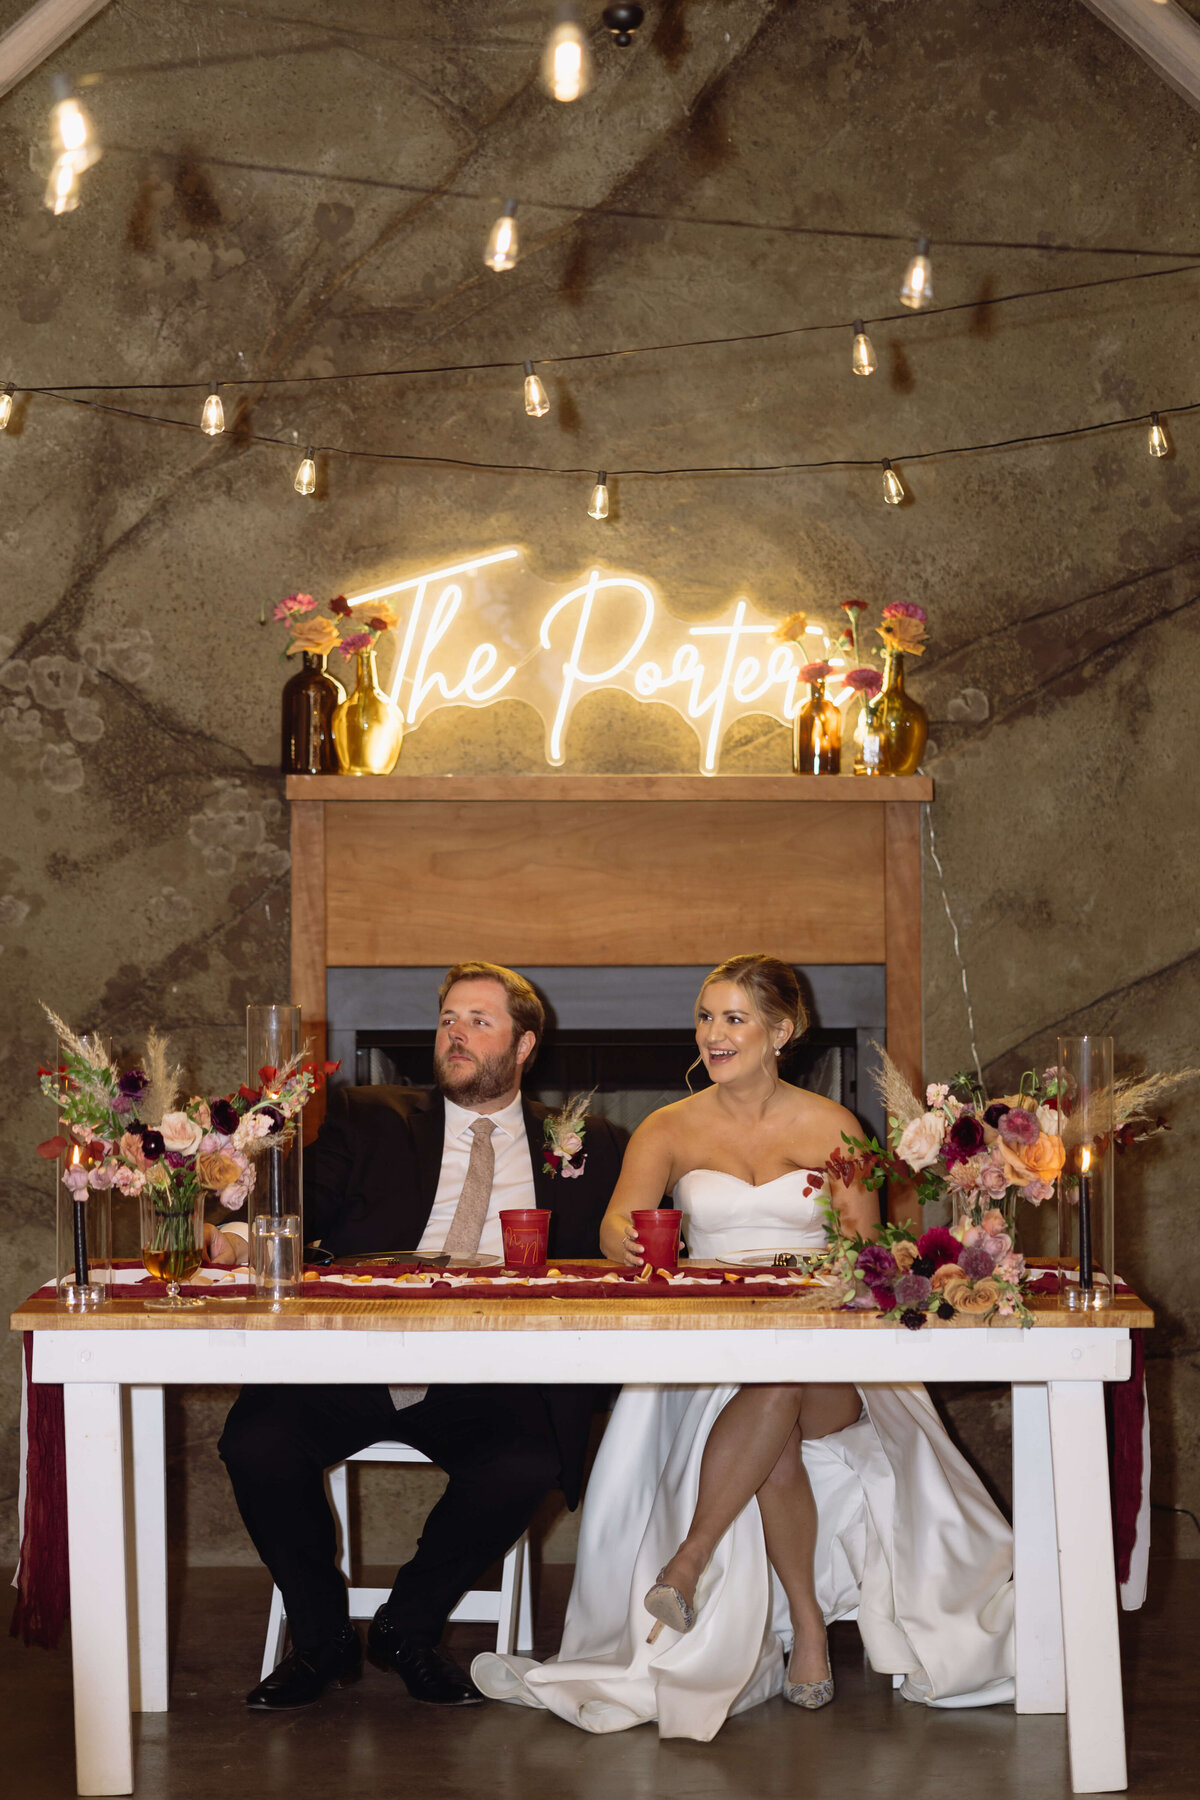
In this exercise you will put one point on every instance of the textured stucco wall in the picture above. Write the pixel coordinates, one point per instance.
(143, 868)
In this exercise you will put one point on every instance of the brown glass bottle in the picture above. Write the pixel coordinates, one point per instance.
(310, 699)
(817, 735)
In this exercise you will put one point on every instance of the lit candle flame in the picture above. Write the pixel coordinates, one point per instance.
(1085, 1160)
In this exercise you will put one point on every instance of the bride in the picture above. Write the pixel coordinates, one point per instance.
(724, 1524)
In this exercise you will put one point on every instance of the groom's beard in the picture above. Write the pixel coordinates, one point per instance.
(478, 1080)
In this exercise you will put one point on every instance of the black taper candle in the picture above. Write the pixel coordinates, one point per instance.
(1086, 1279)
(80, 1233)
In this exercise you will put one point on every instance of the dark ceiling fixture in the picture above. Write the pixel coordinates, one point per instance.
(623, 21)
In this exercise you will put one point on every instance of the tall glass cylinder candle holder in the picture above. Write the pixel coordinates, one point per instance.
(83, 1221)
(1085, 1186)
(273, 1039)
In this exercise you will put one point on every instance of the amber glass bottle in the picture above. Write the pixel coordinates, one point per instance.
(310, 700)
(817, 735)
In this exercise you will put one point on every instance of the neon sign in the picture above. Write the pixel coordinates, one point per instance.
(464, 640)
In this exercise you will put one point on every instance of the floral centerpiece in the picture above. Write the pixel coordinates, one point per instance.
(136, 1135)
(937, 1274)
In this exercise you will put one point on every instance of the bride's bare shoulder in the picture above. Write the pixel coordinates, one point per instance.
(818, 1114)
(666, 1122)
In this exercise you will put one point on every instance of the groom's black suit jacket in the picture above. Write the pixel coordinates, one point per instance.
(371, 1176)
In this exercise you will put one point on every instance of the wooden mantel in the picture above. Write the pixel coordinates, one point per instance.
(585, 870)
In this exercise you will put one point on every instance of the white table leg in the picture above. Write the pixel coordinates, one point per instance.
(146, 1549)
(99, 1621)
(1095, 1713)
(1041, 1683)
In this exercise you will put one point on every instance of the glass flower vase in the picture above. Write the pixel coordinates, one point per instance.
(172, 1220)
(817, 735)
(972, 1205)
(274, 1038)
(310, 699)
(367, 727)
(894, 728)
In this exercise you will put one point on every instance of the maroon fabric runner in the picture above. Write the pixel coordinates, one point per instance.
(43, 1588)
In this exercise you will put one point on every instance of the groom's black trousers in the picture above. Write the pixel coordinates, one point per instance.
(496, 1444)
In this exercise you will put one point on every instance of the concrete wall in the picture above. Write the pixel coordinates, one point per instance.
(144, 868)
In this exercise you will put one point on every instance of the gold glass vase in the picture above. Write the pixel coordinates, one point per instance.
(894, 726)
(367, 727)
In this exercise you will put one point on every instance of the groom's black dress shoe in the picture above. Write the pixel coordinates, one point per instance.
(303, 1676)
(427, 1672)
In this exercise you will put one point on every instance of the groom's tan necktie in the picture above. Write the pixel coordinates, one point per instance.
(466, 1227)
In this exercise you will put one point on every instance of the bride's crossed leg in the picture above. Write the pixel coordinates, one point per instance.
(754, 1450)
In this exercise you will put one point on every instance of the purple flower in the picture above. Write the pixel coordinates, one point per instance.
(884, 1299)
(963, 1140)
(224, 1117)
(173, 1158)
(133, 1083)
(876, 1265)
(1019, 1127)
(975, 1262)
(152, 1145)
(122, 1104)
(914, 1290)
(912, 1319)
(995, 1113)
(940, 1245)
(273, 1115)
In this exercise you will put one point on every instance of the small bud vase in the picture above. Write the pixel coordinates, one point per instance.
(817, 735)
(367, 727)
(310, 699)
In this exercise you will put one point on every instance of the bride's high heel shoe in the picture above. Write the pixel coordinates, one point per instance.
(667, 1606)
(811, 1694)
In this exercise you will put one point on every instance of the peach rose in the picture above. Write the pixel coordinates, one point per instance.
(179, 1133)
(315, 636)
(1040, 1161)
(218, 1170)
(954, 1288)
(978, 1297)
(921, 1140)
(942, 1278)
(905, 1255)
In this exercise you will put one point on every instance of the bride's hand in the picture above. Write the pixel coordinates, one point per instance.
(619, 1243)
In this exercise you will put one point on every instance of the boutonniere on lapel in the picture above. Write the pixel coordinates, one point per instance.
(563, 1133)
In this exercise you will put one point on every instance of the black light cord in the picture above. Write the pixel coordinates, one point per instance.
(522, 468)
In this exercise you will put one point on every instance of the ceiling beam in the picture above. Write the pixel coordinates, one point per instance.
(38, 35)
(1163, 35)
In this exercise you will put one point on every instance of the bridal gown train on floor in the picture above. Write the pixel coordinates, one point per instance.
(907, 1538)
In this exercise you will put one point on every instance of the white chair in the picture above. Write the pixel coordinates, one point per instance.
(510, 1605)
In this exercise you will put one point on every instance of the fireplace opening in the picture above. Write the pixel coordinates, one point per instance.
(629, 1073)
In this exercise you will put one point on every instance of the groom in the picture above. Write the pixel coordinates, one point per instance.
(399, 1169)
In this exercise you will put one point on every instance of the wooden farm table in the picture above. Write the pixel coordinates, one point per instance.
(114, 1364)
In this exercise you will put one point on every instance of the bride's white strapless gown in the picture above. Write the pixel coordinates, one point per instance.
(907, 1538)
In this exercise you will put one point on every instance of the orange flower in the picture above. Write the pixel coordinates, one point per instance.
(942, 1278)
(217, 1170)
(791, 629)
(978, 1297)
(903, 633)
(317, 637)
(382, 618)
(1040, 1161)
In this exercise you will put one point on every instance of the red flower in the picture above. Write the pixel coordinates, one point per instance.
(939, 1245)
(249, 1093)
(53, 1146)
(854, 606)
(340, 606)
(331, 1068)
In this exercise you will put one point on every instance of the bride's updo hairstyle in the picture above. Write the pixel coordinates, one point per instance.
(772, 990)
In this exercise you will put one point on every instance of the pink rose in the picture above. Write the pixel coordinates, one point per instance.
(76, 1178)
(993, 1179)
(570, 1170)
(571, 1143)
(129, 1181)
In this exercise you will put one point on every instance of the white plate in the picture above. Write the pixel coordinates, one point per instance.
(753, 1259)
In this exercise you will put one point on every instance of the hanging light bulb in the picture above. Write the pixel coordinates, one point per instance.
(1160, 443)
(6, 398)
(306, 474)
(212, 419)
(598, 504)
(536, 403)
(918, 279)
(75, 150)
(566, 66)
(893, 487)
(501, 252)
(862, 357)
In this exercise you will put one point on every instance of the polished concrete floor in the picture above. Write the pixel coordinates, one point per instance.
(372, 1739)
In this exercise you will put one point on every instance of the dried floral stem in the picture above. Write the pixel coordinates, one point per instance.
(162, 1089)
(899, 1101)
(91, 1054)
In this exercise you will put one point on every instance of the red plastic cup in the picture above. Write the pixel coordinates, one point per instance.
(526, 1234)
(658, 1234)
